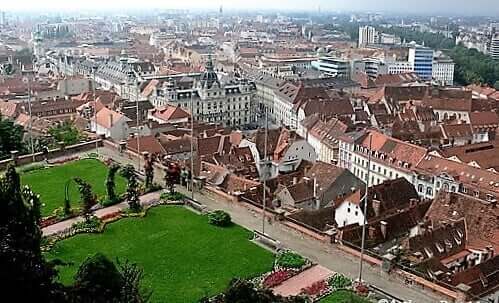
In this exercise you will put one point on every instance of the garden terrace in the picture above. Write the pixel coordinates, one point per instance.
(184, 257)
(50, 182)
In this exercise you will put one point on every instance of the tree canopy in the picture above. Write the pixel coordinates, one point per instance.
(24, 273)
(11, 137)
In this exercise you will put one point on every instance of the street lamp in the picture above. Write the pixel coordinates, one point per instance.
(192, 146)
(94, 70)
(265, 165)
(28, 74)
(365, 210)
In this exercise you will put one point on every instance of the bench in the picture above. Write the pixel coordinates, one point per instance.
(266, 240)
(195, 205)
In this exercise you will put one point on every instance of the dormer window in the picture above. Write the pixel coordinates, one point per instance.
(439, 247)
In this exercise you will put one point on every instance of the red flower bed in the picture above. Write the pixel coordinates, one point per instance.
(315, 289)
(277, 278)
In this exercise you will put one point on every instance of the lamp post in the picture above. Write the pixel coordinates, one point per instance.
(265, 165)
(365, 210)
(94, 70)
(138, 121)
(28, 74)
(192, 147)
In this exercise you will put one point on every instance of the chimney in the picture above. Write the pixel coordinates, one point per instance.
(413, 202)
(372, 232)
(376, 207)
(384, 226)
(295, 180)
(111, 119)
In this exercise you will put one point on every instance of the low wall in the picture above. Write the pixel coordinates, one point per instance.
(369, 259)
(428, 285)
(52, 154)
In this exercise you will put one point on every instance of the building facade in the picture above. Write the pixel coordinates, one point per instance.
(334, 67)
(367, 36)
(422, 60)
(231, 104)
(443, 71)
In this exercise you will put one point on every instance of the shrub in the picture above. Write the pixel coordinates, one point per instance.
(219, 218)
(289, 259)
(31, 167)
(166, 196)
(339, 281)
(93, 223)
(276, 278)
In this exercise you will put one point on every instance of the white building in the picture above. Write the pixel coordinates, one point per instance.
(111, 124)
(494, 47)
(390, 158)
(367, 36)
(443, 70)
(400, 67)
(334, 67)
(231, 103)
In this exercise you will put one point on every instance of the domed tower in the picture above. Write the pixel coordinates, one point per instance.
(209, 77)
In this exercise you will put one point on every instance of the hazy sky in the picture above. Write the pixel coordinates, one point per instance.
(488, 7)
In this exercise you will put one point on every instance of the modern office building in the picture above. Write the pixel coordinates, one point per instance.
(421, 59)
(494, 47)
(334, 67)
(367, 36)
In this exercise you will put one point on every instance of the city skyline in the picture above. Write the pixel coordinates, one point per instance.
(446, 7)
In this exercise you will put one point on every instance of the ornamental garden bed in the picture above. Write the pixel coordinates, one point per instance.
(184, 257)
(50, 182)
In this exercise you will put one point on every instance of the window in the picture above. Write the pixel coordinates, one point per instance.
(420, 188)
(429, 191)
(438, 184)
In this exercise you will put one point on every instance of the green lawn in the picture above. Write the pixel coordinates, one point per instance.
(343, 296)
(50, 182)
(184, 258)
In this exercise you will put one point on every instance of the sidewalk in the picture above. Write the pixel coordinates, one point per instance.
(294, 285)
(55, 228)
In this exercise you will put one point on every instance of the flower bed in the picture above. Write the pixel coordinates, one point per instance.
(277, 278)
(111, 217)
(316, 290)
(290, 260)
(64, 160)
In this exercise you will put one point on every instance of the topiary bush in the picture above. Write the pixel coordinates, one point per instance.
(219, 218)
(289, 259)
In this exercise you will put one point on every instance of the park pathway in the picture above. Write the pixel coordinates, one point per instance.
(58, 227)
(294, 285)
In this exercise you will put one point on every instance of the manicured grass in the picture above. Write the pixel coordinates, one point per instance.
(344, 296)
(184, 258)
(50, 183)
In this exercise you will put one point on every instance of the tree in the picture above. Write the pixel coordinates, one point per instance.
(131, 290)
(111, 184)
(149, 170)
(24, 273)
(132, 191)
(97, 280)
(88, 199)
(66, 132)
(11, 137)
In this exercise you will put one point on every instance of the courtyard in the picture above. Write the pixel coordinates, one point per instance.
(184, 258)
(50, 182)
